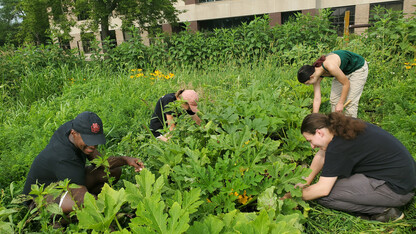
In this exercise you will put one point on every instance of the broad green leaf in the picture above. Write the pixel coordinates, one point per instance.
(154, 212)
(6, 228)
(146, 187)
(261, 224)
(99, 214)
(178, 220)
(267, 200)
(191, 200)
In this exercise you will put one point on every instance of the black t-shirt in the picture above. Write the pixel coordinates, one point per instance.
(159, 115)
(59, 160)
(374, 153)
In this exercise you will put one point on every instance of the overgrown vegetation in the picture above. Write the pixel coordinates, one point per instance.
(228, 174)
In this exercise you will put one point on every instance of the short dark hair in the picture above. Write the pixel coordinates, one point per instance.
(305, 73)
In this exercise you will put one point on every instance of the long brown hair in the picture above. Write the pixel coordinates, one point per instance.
(336, 122)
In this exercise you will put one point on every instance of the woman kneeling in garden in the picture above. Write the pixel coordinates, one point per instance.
(365, 170)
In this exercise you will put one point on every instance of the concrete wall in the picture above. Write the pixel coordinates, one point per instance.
(409, 8)
(235, 8)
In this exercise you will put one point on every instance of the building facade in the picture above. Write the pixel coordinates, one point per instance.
(209, 14)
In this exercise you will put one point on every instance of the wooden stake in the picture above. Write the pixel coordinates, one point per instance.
(346, 104)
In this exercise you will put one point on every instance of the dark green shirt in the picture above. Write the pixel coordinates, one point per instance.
(350, 62)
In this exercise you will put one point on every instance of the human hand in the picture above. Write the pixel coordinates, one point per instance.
(286, 196)
(136, 163)
(300, 185)
(339, 107)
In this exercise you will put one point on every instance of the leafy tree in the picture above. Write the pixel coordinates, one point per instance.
(9, 20)
(35, 21)
(146, 14)
(41, 18)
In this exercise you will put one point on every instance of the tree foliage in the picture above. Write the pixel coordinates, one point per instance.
(43, 20)
(8, 20)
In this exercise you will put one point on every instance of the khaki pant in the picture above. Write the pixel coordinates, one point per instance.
(357, 81)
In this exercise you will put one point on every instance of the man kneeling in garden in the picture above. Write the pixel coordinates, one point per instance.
(65, 157)
(365, 170)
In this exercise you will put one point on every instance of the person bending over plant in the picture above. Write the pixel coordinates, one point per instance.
(365, 170)
(350, 73)
(162, 117)
(65, 157)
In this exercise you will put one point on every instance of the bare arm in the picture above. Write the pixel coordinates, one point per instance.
(125, 160)
(196, 118)
(120, 161)
(171, 122)
(316, 166)
(320, 189)
(316, 96)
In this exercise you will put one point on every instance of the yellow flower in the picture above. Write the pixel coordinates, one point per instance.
(243, 199)
(139, 70)
(209, 201)
(247, 142)
(133, 70)
(406, 63)
(413, 64)
(408, 67)
(131, 77)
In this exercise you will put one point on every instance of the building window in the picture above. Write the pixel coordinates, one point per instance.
(127, 35)
(64, 43)
(83, 15)
(393, 5)
(87, 40)
(111, 38)
(289, 15)
(338, 15)
(178, 27)
(210, 25)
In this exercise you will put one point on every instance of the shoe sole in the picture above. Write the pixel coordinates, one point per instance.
(399, 218)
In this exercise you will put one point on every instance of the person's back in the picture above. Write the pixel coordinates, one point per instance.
(350, 61)
(54, 162)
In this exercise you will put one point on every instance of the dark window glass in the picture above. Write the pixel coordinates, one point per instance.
(338, 15)
(288, 15)
(64, 44)
(82, 15)
(87, 39)
(111, 38)
(127, 35)
(179, 27)
(393, 5)
(210, 25)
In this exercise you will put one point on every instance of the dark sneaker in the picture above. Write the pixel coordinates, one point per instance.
(390, 214)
